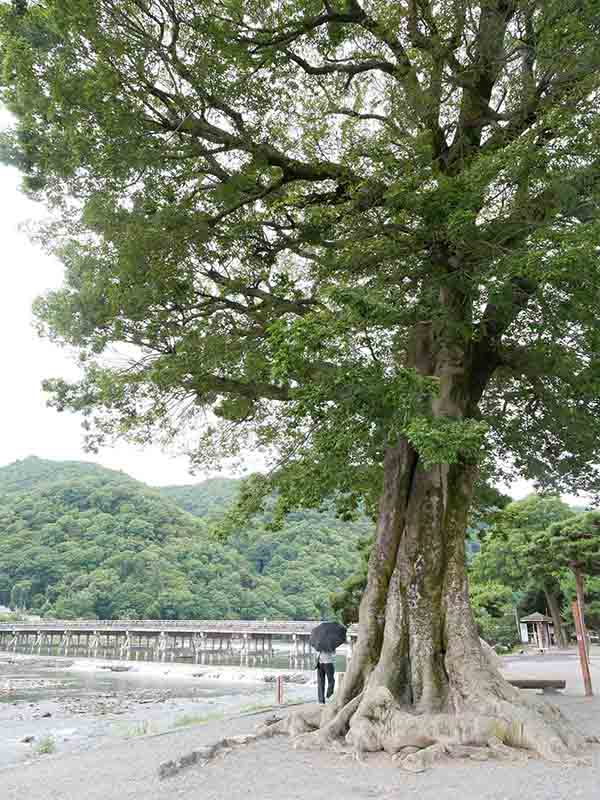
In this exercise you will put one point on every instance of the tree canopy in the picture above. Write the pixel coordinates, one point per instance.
(510, 557)
(508, 553)
(258, 202)
(575, 543)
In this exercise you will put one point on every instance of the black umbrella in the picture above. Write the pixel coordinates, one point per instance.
(327, 636)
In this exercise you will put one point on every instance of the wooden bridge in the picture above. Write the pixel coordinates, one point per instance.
(159, 640)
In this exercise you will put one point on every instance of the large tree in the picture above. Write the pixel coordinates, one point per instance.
(360, 233)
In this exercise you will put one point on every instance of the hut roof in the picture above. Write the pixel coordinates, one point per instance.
(537, 617)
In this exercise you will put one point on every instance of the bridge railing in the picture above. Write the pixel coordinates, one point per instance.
(302, 627)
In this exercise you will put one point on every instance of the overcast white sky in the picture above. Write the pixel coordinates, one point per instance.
(27, 425)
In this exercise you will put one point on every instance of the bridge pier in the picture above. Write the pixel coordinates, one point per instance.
(65, 642)
(162, 646)
(125, 648)
(350, 644)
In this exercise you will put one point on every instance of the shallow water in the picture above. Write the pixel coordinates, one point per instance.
(30, 682)
(35, 684)
(78, 703)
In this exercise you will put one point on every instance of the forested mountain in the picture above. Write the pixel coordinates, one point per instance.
(204, 499)
(35, 473)
(79, 540)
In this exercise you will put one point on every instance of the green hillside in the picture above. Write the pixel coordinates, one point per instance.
(310, 557)
(205, 499)
(79, 540)
(34, 473)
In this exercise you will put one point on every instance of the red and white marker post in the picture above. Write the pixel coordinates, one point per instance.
(279, 690)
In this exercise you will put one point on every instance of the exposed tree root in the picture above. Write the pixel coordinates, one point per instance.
(513, 728)
(202, 755)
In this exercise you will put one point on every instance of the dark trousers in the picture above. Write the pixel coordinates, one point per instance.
(322, 671)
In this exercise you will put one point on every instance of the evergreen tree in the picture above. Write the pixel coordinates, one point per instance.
(573, 543)
(510, 555)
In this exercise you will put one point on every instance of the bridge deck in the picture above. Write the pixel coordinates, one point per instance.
(272, 628)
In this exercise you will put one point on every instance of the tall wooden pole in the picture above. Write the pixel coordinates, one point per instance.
(583, 656)
(581, 603)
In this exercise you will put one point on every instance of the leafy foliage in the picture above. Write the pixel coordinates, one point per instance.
(494, 609)
(205, 500)
(575, 542)
(529, 549)
(508, 554)
(333, 232)
(266, 209)
(592, 598)
(79, 540)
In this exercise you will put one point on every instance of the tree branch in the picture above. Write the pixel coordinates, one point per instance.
(345, 69)
(499, 314)
(253, 390)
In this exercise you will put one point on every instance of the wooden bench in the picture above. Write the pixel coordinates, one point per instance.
(548, 686)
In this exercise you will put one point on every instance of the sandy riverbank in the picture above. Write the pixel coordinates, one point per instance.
(78, 705)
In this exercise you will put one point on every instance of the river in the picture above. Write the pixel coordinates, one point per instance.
(65, 705)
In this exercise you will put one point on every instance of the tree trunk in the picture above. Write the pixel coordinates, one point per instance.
(420, 683)
(419, 674)
(430, 658)
(554, 607)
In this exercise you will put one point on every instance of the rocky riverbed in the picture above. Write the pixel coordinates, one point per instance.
(56, 705)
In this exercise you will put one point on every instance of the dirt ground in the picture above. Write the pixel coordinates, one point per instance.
(274, 770)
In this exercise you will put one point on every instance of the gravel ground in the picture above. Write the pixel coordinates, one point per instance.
(273, 770)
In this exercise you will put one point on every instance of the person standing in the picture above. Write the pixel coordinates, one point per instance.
(325, 670)
(325, 639)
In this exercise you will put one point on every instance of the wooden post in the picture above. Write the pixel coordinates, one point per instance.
(581, 603)
(279, 690)
(583, 656)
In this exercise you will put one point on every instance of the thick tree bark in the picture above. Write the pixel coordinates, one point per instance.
(554, 607)
(419, 676)
(430, 657)
(420, 685)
